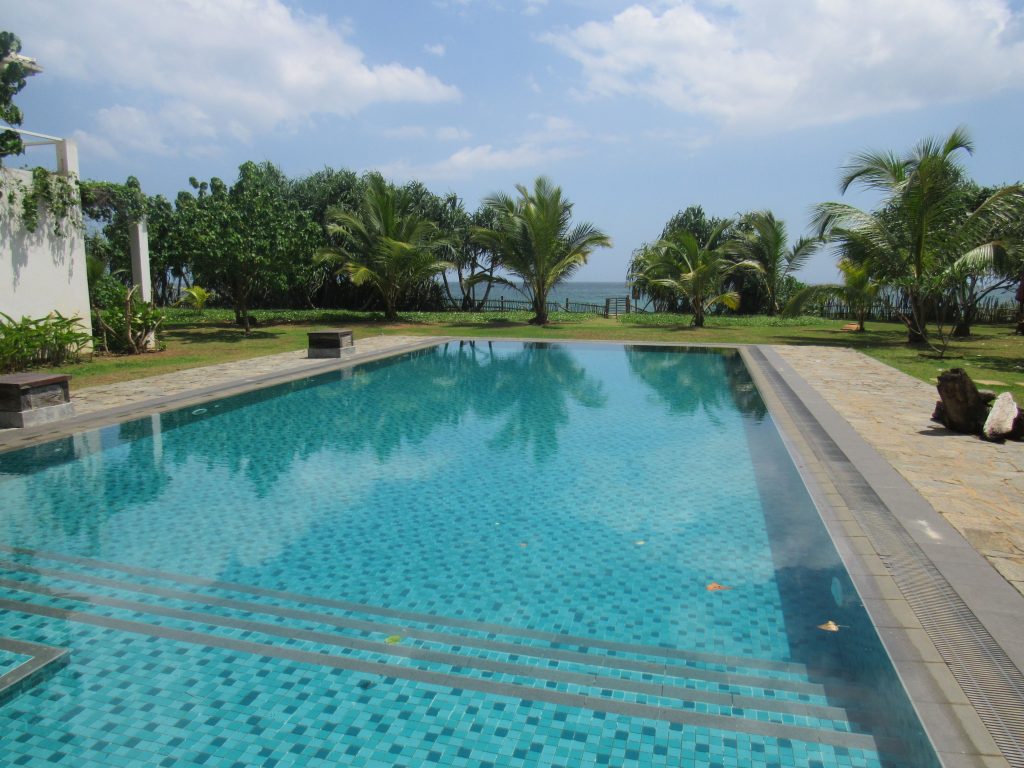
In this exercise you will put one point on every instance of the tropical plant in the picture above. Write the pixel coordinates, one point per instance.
(695, 271)
(922, 227)
(858, 291)
(52, 340)
(386, 243)
(533, 238)
(196, 297)
(764, 239)
(129, 327)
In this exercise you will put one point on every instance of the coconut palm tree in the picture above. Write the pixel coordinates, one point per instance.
(696, 272)
(765, 241)
(858, 291)
(533, 239)
(387, 243)
(922, 227)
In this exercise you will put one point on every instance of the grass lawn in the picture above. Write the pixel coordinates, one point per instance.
(192, 339)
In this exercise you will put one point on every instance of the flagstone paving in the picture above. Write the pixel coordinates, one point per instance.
(976, 485)
(99, 398)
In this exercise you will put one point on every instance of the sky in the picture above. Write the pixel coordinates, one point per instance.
(636, 109)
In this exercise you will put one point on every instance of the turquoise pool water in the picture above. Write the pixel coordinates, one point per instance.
(477, 554)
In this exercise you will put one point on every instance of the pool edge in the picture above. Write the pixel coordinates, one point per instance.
(957, 730)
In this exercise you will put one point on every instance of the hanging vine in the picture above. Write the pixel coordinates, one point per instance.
(60, 194)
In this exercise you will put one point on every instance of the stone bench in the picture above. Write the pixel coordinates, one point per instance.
(27, 399)
(330, 343)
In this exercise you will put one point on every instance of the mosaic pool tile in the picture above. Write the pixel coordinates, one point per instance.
(490, 494)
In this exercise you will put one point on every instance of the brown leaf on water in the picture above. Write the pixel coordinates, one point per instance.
(714, 586)
(830, 626)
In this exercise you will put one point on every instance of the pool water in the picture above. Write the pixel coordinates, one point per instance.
(476, 554)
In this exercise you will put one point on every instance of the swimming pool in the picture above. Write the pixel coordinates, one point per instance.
(480, 553)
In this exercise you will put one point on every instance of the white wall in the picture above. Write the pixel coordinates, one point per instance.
(40, 272)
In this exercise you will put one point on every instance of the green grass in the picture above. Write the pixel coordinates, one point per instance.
(205, 338)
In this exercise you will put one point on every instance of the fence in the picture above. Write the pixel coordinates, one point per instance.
(988, 311)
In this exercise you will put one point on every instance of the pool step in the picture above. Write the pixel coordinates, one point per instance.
(752, 700)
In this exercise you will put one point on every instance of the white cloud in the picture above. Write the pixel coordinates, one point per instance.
(213, 70)
(443, 133)
(533, 7)
(748, 64)
(469, 161)
(435, 50)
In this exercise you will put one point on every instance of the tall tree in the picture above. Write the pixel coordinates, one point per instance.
(696, 270)
(244, 238)
(386, 243)
(920, 231)
(764, 239)
(533, 238)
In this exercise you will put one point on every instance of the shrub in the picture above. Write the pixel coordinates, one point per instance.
(52, 340)
(124, 323)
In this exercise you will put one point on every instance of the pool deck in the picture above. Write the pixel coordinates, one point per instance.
(913, 509)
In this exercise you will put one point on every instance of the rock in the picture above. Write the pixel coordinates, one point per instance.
(1004, 420)
(962, 408)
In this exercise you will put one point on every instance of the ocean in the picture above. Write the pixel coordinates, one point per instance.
(580, 292)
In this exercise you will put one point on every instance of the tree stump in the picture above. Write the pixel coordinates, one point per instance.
(962, 407)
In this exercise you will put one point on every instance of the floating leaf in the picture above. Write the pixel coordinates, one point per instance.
(714, 586)
(392, 639)
(830, 626)
(639, 542)
(522, 544)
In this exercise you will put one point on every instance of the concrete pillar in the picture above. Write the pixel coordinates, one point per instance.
(67, 157)
(138, 243)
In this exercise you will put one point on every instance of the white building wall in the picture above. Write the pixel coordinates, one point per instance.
(40, 272)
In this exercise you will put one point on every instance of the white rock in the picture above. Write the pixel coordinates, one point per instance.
(999, 423)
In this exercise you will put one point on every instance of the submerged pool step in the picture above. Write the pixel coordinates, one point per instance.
(622, 653)
(746, 678)
(389, 672)
(584, 688)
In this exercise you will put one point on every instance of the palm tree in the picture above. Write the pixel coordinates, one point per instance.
(695, 271)
(858, 291)
(922, 227)
(387, 243)
(533, 239)
(765, 241)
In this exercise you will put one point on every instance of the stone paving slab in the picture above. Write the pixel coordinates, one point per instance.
(976, 485)
(99, 398)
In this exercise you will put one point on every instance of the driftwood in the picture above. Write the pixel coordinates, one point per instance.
(963, 408)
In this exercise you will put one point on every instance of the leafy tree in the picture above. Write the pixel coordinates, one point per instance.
(533, 239)
(858, 291)
(243, 239)
(12, 79)
(386, 243)
(694, 270)
(764, 240)
(692, 219)
(920, 230)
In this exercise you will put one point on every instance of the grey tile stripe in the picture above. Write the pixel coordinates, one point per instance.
(452, 659)
(426, 618)
(44, 661)
(840, 688)
(525, 693)
(988, 677)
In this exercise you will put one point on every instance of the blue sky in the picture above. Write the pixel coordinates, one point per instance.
(637, 109)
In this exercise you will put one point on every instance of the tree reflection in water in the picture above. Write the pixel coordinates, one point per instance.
(697, 385)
